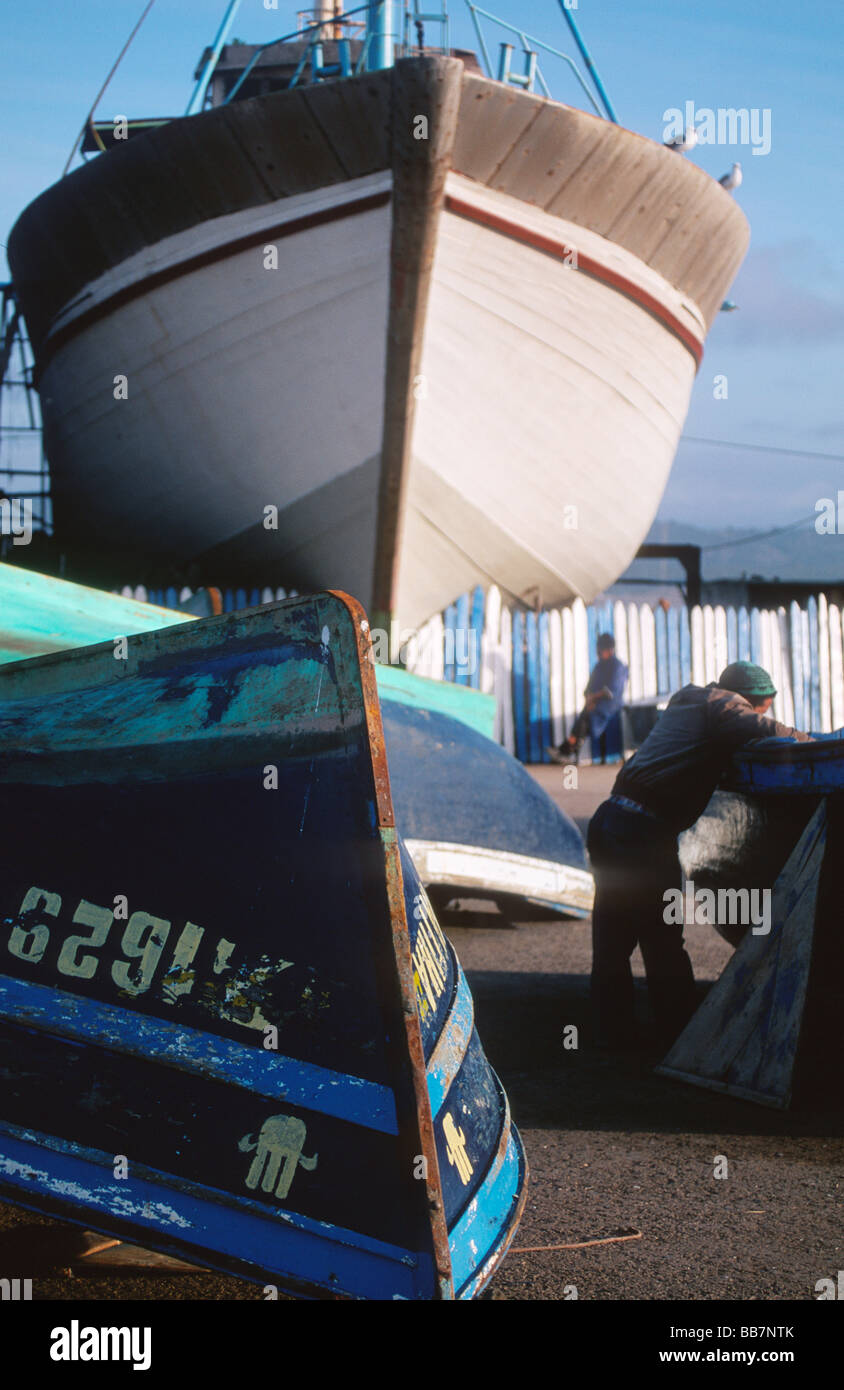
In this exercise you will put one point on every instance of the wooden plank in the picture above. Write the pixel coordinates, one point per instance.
(836, 667)
(505, 681)
(519, 686)
(813, 663)
(787, 683)
(755, 637)
(663, 679)
(535, 750)
(544, 686)
(581, 651)
(557, 682)
(721, 658)
(462, 630)
(710, 670)
(824, 665)
(120, 1257)
(743, 635)
(698, 655)
(570, 692)
(491, 639)
(675, 674)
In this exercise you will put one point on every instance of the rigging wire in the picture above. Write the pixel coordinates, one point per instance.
(124, 50)
(761, 448)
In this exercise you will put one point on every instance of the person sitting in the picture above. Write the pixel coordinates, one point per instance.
(603, 699)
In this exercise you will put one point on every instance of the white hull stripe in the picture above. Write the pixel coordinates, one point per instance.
(474, 866)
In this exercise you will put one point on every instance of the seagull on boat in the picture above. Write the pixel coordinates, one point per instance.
(684, 142)
(733, 179)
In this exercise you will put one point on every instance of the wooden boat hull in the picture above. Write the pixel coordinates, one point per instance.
(475, 822)
(752, 823)
(230, 1026)
(472, 363)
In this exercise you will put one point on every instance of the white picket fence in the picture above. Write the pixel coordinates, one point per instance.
(537, 664)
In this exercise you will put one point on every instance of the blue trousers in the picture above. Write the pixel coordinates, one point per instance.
(634, 860)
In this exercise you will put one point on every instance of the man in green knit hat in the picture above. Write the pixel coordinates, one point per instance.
(632, 844)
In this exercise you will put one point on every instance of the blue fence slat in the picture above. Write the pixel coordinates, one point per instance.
(795, 634)
(663, 683)
(450, 640)
(519, 720)
(476, 635)
(171, 598)
(534, 716)
(592, 631)
(675, 675)
(814, 666)
(743, 635)
(756, 636)
(685, 647)
(461, 640)
(544, 687)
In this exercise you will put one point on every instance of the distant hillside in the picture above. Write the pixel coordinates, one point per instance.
(799, 554)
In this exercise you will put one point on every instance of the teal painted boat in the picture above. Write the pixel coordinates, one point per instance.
(231, 1028)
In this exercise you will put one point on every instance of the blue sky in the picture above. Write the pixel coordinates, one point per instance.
(782, 351)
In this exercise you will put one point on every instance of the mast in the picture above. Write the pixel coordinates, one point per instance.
(382, 39)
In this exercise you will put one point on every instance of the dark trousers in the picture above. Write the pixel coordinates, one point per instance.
(634, 860)
(580, 727)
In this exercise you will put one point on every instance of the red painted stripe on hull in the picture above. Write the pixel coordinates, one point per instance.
(198, 262)
(587, 264)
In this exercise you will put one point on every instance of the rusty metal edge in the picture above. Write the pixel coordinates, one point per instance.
(403, 964)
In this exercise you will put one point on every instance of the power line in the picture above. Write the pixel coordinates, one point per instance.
(762, 448)
(759, 535)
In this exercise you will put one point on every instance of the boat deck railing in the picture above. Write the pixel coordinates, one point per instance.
(532, 76)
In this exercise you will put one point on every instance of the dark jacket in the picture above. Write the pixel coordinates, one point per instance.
(683, 759)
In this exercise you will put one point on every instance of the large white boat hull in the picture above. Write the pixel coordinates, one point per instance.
(468, 358)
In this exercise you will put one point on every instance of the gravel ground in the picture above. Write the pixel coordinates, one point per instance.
(612, 1147)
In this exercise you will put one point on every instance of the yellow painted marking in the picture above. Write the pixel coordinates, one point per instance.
(455, 1141)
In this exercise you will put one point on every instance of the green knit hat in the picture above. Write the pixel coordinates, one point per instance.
(744, 678)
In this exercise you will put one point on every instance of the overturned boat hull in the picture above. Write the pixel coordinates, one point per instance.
(753, 821)
(482, 827)
(230, 1026)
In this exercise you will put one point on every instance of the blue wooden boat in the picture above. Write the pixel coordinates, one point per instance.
(783, 767)
(475, 822)
(770, 1025)
(231, 1028)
